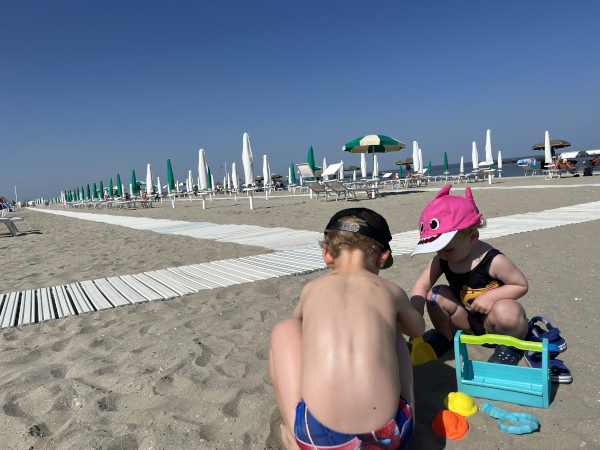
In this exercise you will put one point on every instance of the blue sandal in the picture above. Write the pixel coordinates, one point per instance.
(558, 371)
(553, 334)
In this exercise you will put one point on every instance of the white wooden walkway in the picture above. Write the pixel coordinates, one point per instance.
(48, 303)
(278, 238)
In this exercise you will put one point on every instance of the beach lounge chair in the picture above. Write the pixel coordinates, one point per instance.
(528, 165)
(10, 223)
(340, 189)
(319, 189)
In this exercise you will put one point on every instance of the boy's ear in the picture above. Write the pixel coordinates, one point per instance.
(382, 258)
(327, 258)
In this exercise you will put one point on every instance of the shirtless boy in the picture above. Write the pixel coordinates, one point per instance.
(341, 362)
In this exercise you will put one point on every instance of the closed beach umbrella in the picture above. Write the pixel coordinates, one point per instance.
(462, 164)
(547, 150)
(89, 195)
(82, 193)
(119, 185)
(311, 160)
(421, 166)
(94, 192)
(400, 171)
(415, 152)
(354, 174)
(190, 183)
(209, 177)
(101, 189)
(202, 174)
(111, 188)
(235, 177)
(133, 183)
(148, 179)
(499, 164)
(170, 179)
(489, 158)
(292, 178)
(248, 161)
(325, 177)
(445, 162)
(475, 156)
(266, 171)
(363, 166)
(429, 167)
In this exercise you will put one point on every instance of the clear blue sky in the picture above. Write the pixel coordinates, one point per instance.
(92, 88)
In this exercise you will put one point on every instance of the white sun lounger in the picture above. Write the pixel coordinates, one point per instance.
(10, 223)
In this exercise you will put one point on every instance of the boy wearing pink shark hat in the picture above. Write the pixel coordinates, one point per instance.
(483, 284)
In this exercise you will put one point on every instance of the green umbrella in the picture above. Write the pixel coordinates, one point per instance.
(311, 161)
(95, 192)
(78, 194)
(133, 183)
(101, 189)
(119, 185)
(82, 193)
(89, 196)
(293, 179)
(111, 189)
(209, 177)
(373, 143)
(400, 171)
(445, 162)
(429, 167)
(171, 181)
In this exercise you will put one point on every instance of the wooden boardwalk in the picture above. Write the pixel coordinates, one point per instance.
(49, 303)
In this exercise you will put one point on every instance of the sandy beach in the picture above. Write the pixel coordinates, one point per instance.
(192, 372)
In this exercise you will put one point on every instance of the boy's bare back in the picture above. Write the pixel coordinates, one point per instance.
(350, 375)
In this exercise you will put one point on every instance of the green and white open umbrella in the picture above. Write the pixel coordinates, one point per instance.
(373, 143)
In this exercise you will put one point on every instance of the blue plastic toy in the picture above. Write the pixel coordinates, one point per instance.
(513, 423)
(521, 385)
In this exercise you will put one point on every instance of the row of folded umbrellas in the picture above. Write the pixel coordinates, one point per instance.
(366, 144)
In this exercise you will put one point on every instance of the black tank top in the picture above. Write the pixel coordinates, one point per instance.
(469, 285)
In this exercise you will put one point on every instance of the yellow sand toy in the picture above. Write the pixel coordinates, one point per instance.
(422, 352)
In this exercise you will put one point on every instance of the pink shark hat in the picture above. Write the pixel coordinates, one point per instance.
(442, 219)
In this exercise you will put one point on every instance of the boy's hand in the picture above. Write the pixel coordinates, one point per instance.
(482, 305)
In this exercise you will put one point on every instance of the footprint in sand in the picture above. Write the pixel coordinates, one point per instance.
(267, 314)
(107, 404)
(59, 372)
(60, 345)
(204, 357)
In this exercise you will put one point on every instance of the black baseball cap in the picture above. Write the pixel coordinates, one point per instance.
(376, 227)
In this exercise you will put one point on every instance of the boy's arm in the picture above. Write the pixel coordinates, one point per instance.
(418, 294)
(408, 319)
(298, 309)
(515, 285)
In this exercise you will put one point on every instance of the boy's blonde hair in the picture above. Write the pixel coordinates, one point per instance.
(357, 228)
(338, 240)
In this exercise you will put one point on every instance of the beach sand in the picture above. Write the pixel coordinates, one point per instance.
(192, 372)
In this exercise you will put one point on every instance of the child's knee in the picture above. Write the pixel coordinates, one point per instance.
(286, 330)
(508, 313)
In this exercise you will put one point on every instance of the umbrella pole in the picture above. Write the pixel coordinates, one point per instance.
(251, 199)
